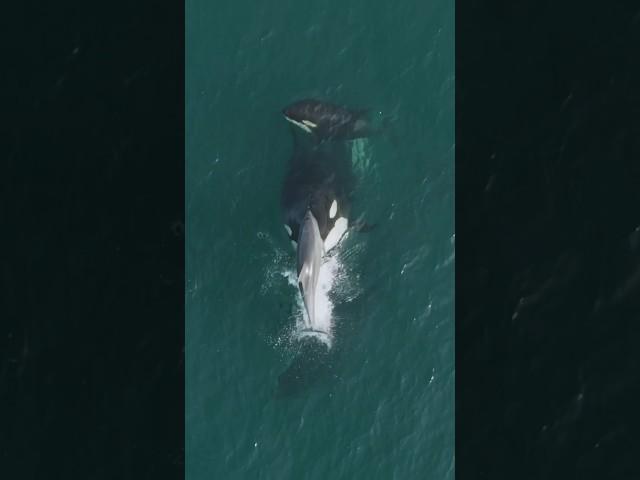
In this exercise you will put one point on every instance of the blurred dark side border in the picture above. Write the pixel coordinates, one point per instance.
(92, 321)
(547, 239)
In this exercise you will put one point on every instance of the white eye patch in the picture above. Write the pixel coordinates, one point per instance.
(288, 229)
(298, 124)
(333, 210)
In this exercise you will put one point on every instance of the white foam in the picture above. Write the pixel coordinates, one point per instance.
(322, 327)
(338, 281)
(336, 233)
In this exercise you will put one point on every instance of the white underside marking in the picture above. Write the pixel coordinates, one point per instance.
(309, 124)
(336, 233)
(298, 124)
(288, 229)
(294, 244)
(333, 210)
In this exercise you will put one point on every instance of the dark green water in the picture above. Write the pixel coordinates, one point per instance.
(386, 411)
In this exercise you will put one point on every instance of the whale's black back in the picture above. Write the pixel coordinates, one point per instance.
(317, 175)
(329, 121)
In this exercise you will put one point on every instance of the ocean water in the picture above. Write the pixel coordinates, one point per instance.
(384, 406)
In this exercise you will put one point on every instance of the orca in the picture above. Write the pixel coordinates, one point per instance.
(316, 202)
(326, 121)
(316, 199)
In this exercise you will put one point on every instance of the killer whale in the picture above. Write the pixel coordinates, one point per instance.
(327, 121)
(316, 202)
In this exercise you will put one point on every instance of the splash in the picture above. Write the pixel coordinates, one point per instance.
(338, 283)
(323, 325)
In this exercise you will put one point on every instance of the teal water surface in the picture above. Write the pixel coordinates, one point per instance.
(387, 409)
